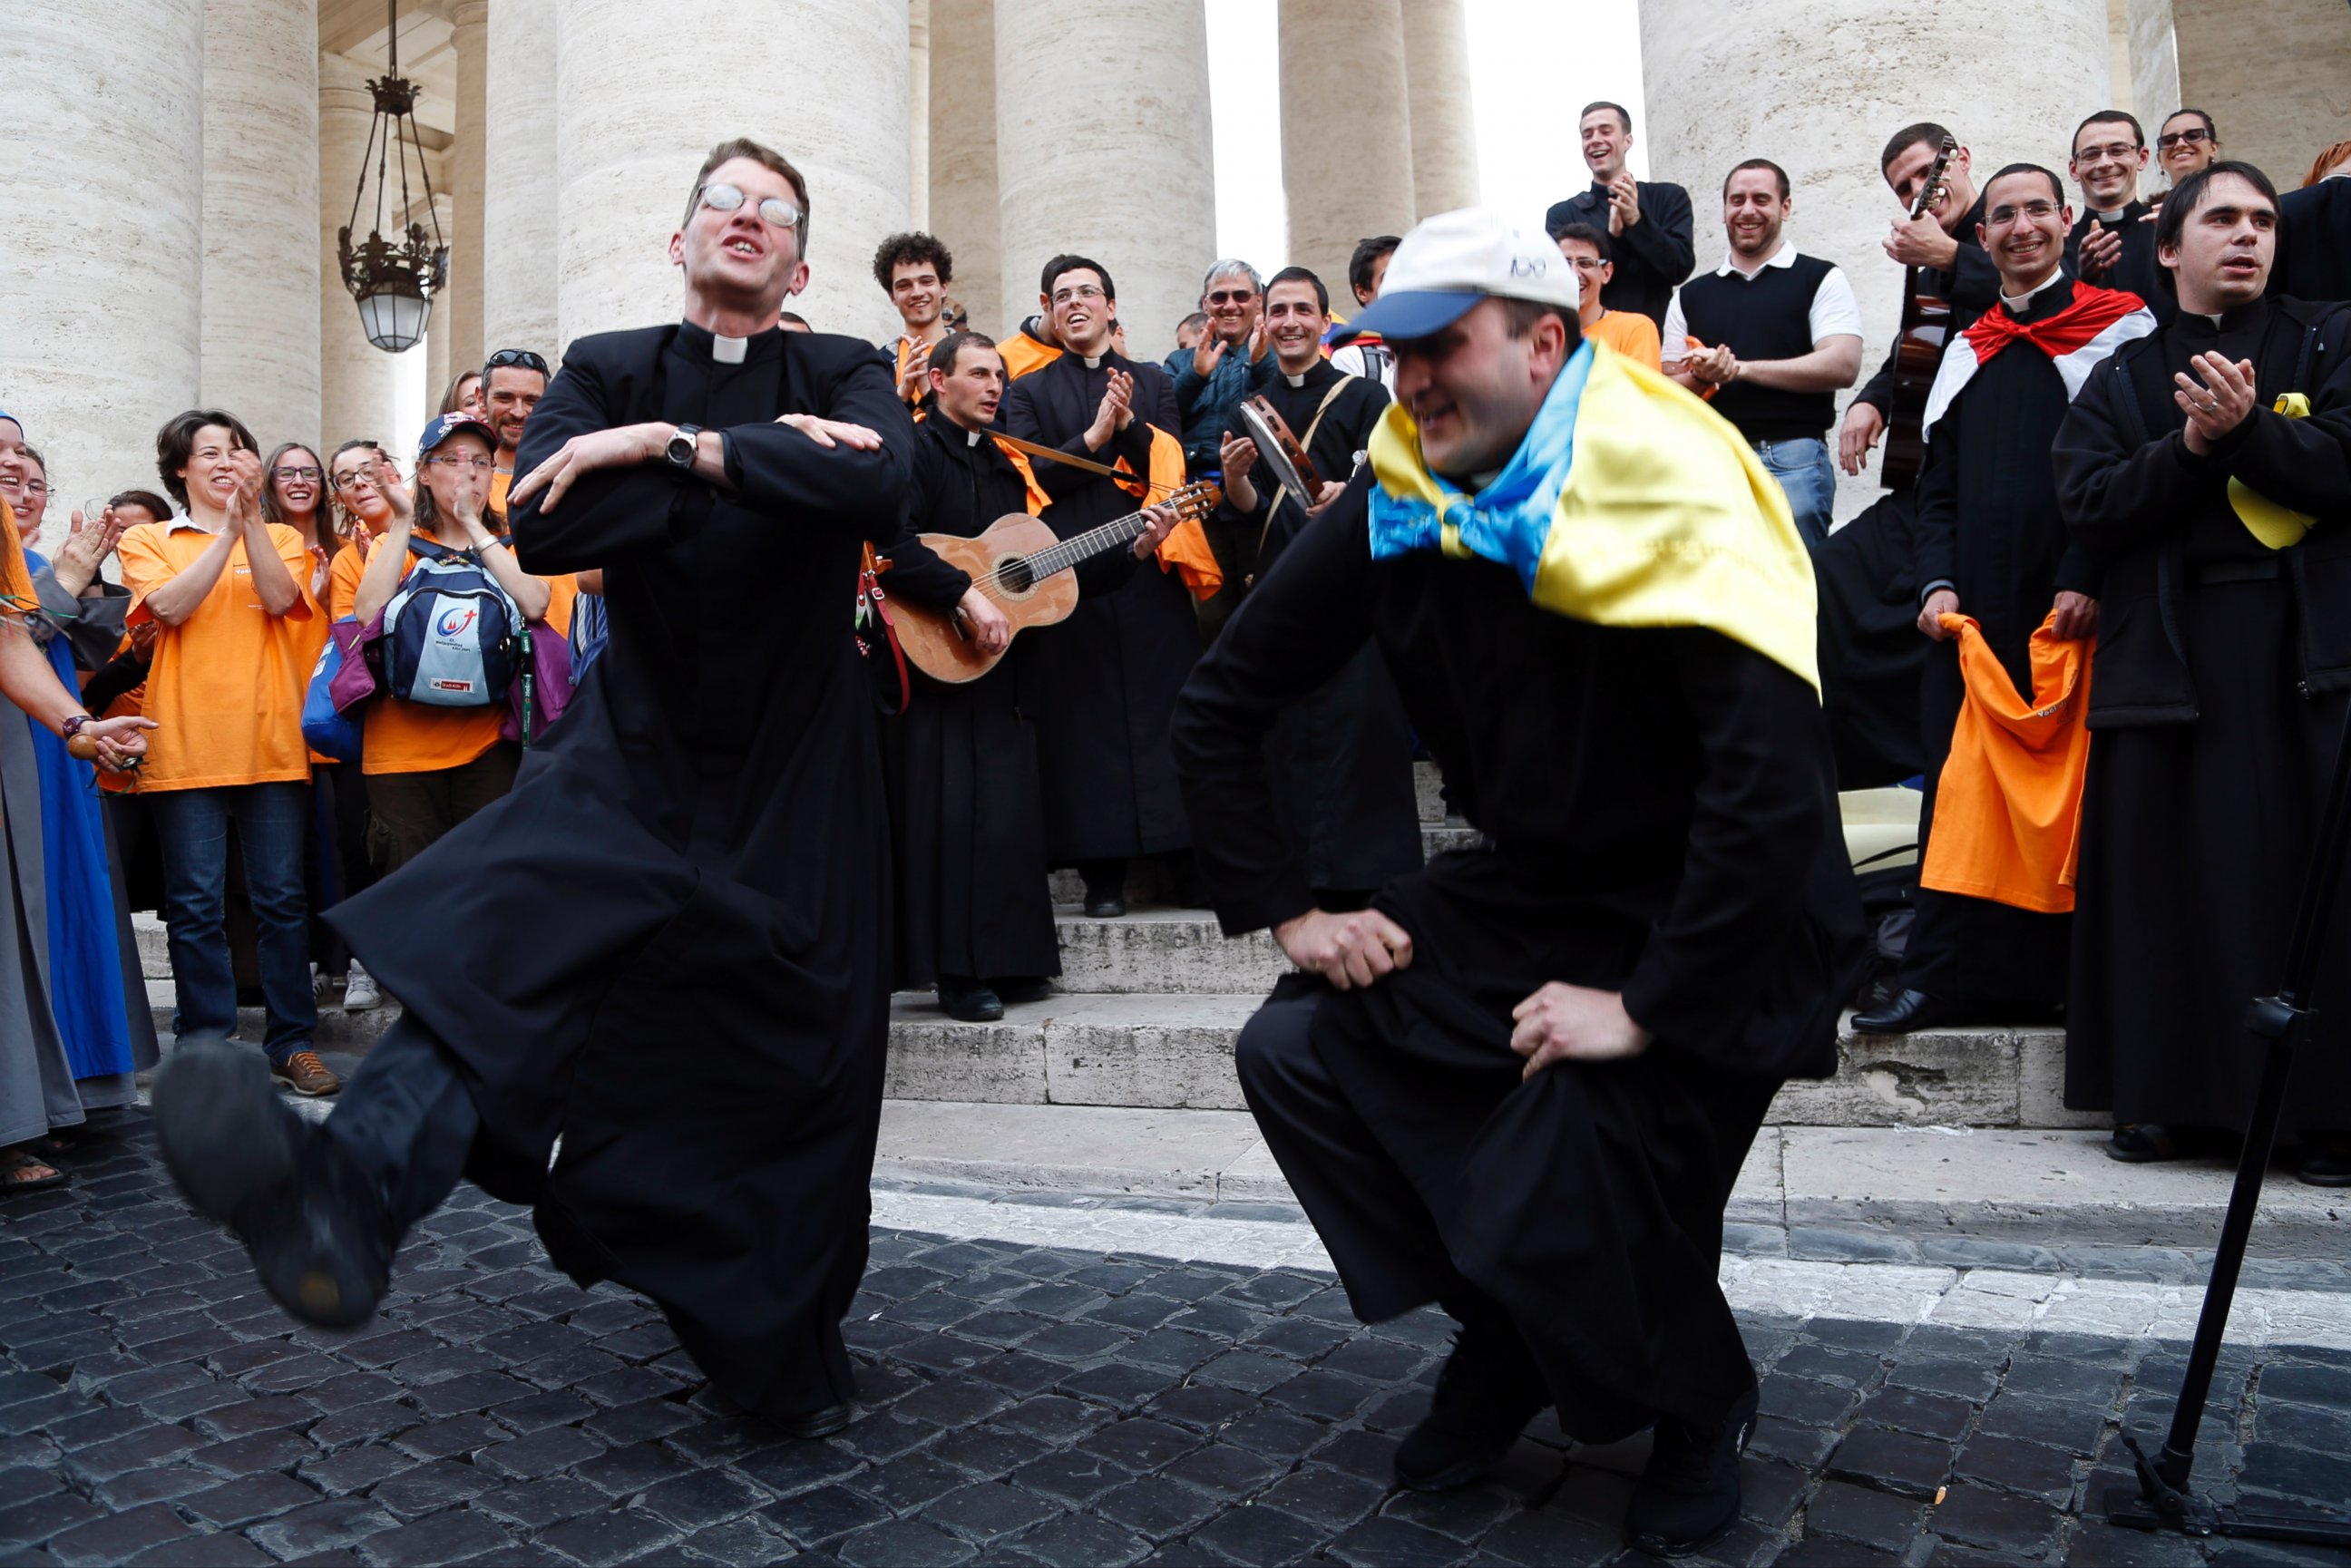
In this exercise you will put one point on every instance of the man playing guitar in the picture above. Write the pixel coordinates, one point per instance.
(1942, 239)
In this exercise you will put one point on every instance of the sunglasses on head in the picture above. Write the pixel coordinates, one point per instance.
(505, 357)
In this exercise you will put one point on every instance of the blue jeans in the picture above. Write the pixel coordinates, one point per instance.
(192, 828)
(1809, 478)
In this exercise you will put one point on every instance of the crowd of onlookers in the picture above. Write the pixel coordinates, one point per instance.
(293, 756)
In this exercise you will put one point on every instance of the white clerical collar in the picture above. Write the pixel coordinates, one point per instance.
(971, 437)
(1297, 381)
(728, 351)
(1783, 256)
(2018, 304)
(1093, 361)
(2114, 217)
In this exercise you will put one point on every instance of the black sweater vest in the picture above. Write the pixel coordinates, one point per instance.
(1767, 317)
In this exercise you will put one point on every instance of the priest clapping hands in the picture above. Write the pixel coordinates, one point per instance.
(2217, 404)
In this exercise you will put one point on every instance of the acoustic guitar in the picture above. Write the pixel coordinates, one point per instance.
(1018, 562)
(1918, 347)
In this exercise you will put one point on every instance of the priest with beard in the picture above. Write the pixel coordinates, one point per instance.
(1522, 1084)
(1993, 546)
(967, 811)
(2210, 463)
(1341, 759)
(647, 992)
(1107, 677)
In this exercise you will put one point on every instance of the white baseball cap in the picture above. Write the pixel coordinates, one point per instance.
(1452, 261)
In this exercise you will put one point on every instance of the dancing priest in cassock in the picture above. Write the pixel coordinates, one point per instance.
(1341, 759)
(2210, 463)
(669, 948)
(1522, 1082)
(1992, 547)
(968, 817)
(1109, 674)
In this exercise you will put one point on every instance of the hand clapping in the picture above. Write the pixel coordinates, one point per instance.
(2218, 403)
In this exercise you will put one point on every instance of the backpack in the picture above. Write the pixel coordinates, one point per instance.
(452, 637)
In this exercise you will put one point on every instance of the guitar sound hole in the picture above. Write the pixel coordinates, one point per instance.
(1014, 573)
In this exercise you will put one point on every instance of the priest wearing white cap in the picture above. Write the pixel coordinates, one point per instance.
(1522, 1082)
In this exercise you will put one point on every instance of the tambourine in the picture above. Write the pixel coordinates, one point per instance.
(1279, 449)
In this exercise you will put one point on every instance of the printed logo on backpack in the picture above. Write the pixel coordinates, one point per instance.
(452, 634)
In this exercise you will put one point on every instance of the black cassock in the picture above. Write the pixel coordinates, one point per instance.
(1341, 758)
(670, 945)
(1871, 657)
(2313, 253)
(1662, 823)
(968, 817)
(2136, 272)
(1107, 677)
(2217, 696)
(1989, 525)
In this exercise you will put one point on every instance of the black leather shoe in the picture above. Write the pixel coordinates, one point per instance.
(1688, 1498)
(968, 1001)
(2324, 1159)
(821, 1423)
(1486, 1394)
(1911, 1011)
(1021, 989)
(312, 1223)
(1105, 901)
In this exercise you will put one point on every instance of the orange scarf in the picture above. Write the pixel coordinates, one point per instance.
(2008, 808)
(1184, 552)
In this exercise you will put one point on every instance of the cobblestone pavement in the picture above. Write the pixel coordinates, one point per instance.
(1025, 1402)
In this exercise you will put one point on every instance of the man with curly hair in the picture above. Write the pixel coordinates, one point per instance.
(913, 270)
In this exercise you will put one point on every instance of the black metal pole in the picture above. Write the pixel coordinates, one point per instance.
(2275, 1022)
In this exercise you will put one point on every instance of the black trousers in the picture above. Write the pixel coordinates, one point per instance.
(406, 1119)
(1611, 1366)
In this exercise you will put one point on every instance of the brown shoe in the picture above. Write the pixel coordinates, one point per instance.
(304, 1073)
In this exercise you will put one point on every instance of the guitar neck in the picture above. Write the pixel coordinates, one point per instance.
(1085, 547)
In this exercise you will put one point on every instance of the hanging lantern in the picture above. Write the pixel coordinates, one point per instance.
(394, 278)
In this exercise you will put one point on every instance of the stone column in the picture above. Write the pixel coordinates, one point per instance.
(260, 194)
(629, 142)
(918, 113)
(101, 191)
(440, 358)
(1103, 148)
(357, 378)
(518, 267)
(2278, 91)
(1347, 140)
(2155, 64)
(469, 37)
(962, 148)
(1443, 128)
(1818, 85)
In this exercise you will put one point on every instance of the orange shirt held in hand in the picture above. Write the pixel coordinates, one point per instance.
(226, 684)
(403, 736)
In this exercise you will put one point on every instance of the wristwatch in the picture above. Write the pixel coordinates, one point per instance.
(680, 448)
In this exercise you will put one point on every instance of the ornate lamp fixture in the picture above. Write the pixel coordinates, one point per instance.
(394, 280)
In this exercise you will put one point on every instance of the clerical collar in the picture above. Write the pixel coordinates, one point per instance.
(2018, 304)
(1297, 381)
(1093, 361)
(728, 351)
(2114, 217)
(972, 437)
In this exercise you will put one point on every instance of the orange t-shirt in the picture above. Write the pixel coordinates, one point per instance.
(1631, 334)
(225, 686)
(501, 483)
(403, 736)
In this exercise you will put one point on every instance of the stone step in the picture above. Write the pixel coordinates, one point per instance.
(1876, 1195)
(1174, 1051)
(1159, 949)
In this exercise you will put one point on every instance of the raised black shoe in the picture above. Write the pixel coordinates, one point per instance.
(968, 1001)
(312, 1223)
(1486, 1394)
(1909, 1011)
(1105, 901)
(1688, 1498)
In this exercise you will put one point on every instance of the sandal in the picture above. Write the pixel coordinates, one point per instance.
(56, 1141)
(19, 1172)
